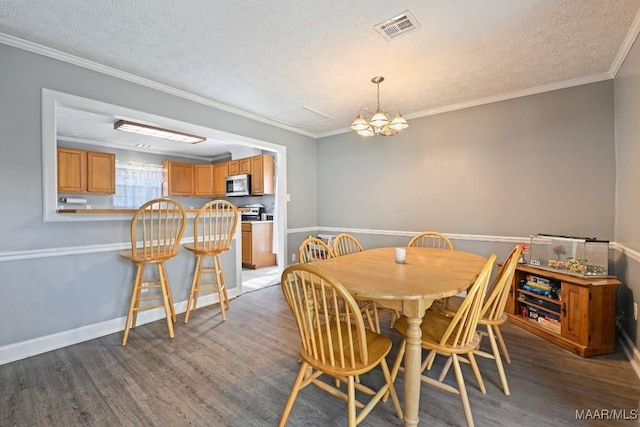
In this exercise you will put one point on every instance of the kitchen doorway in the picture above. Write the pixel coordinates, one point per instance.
(254, 280)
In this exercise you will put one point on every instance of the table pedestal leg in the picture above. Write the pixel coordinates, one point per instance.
(412, 362)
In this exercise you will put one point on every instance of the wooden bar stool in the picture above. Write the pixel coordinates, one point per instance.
(213, 229)
(156, 230)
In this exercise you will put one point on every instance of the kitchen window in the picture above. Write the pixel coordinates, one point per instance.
(136, 184)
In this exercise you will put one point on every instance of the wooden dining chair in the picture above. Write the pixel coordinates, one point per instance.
(492, 315)
(334, 342)
(314, 249)
(213, 229)
(431, 239)
(452, 336)
(345, 244)
(156, 230)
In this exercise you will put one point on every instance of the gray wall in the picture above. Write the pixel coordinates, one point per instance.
(538, 164)
(492, 174)
(627, 113)
(42, 290)
(542, 163)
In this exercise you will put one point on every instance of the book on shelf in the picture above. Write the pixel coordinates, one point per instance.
(549, 324)
(537, 290)
(536, 313)
(539, 280)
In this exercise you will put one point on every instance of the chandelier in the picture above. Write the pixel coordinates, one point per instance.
(378, 123)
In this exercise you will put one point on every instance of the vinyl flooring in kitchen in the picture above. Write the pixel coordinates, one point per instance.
(252, 280)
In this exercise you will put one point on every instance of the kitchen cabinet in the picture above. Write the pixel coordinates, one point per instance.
(81, 171)
(180, 179)
(262, 174)
(579, 315)
(203, 176)
(240, 166)
(257, 244)
(220, 173)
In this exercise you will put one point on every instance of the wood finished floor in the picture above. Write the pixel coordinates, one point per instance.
(239, 373)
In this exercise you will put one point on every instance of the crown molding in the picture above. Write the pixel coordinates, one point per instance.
(512, 95)
(491, 99)
(631, 37)
(94, 66)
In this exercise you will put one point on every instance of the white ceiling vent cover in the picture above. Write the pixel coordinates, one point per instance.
(398, 26)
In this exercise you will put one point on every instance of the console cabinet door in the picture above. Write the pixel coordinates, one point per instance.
(574, 323)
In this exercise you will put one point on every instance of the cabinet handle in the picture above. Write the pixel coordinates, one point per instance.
(564, 309)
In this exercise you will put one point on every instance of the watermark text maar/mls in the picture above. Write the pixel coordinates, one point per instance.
(607, 414)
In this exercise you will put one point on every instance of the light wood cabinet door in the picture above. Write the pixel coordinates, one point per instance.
(234, 167)
(257, 244)
(574, 321)
(240, 166)
(203, 180)
(81, 171)
(244, 166)
(180, 179)
(246, 247)
(101, 173)
(72, 171)
(257, 184)
(220, 173)
(262, 174)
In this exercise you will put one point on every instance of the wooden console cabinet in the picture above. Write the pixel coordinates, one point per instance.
(257, 238)
(585, 307)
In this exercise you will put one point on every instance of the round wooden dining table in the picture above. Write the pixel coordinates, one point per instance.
(411, 287)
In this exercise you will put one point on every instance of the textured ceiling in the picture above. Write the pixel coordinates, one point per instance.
(275, 58)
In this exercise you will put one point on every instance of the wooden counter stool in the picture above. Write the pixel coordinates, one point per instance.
(156, 230)
(213, 229)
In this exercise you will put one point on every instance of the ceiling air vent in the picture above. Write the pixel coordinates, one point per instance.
(397, 26)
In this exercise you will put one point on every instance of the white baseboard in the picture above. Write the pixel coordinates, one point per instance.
(12, 352)
(630, 350)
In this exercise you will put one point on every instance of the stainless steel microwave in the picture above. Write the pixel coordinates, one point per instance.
(238, 185)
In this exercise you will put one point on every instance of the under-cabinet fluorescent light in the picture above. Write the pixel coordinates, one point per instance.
(157, 132)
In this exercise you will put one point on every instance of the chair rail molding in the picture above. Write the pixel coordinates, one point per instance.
(87, 249)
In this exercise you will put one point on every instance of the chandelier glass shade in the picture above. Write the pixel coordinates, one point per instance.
(378, 123)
